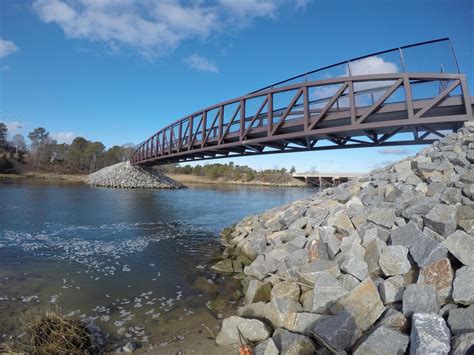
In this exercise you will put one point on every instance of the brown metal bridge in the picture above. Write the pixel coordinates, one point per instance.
(369, 101)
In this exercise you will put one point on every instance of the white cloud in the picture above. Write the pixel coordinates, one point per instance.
(153, 28)
(200, 63)
(365, 66)
(63, 137)
(7, 48)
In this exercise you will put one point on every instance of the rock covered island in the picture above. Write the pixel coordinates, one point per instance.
(125, 175)
(383, 264)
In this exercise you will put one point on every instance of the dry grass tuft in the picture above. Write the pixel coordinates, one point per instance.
(51, 333)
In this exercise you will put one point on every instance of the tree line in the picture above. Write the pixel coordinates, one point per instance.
(232, 172)
(42, 152)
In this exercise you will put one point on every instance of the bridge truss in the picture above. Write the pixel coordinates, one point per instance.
(350, 111)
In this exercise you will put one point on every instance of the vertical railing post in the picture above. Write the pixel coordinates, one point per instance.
(270, 114)
(352, 103)
(306, 107)
(180, 137)
(466, 98)
(408, 96)
(190, 140)
(221, 123)
(242, 119)
(203, 128)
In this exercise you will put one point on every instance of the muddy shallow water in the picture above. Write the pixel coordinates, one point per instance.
(133, 262)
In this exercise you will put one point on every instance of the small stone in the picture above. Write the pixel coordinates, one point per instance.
(461, 245)
(391, 289)
(363, 302)
(427, 250)
(349, 281)
(419, 298)
(355, 266)
(289, 343)
(429, 335)
(461, 320)
(463, 285)
(406, 235)
(338, 332)
(442, 219)
(383, 341)
(439, 274)
(233, 327)
(258, 291)
(394, 260)
(129, 347)
(286, 289)
(309, 272)
(382, 216)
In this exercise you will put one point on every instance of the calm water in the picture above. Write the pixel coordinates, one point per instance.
(126, 259)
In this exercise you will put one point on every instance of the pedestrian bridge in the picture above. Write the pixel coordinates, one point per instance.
(403, 96)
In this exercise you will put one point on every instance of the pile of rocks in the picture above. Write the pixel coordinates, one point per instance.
(380, 265)
(125, 175)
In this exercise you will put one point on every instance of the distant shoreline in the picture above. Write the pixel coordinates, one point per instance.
(184, 178)
(72, 178)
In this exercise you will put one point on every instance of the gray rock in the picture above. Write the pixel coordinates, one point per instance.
(420, 206)
(463, 285)
(461, 320)
(373, 251)
(257, 291)
(250, 329)
(419, 298)
(462, 344)
(327, 289)
(383, 341)
(355, 266)
(266, 347)
(254, 310)
(426, 251)
(309, 272)
(394, 319)
(343, 224)
(286, 289)
(348, 281)
(461, 245)
(391, 289)
(338, 332)
(278, 310)
(223, 266)
(382, 216)
(451, 195)
(442, 219)
(429, 335)
(394, 260)
(289, 343)
(406, 235)
(363, 302)
(439, 274)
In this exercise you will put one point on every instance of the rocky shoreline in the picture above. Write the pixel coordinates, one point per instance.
(127, 176)
(383, 264)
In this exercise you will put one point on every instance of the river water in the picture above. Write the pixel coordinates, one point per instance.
(133, 262)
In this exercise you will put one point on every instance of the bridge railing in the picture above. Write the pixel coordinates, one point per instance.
(317, 106)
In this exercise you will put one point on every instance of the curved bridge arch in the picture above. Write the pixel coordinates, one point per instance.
(343, 112)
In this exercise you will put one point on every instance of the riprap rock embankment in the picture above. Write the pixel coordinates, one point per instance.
(381, 264)
(125, 175)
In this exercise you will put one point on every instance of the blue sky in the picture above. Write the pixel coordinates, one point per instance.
(118, 70)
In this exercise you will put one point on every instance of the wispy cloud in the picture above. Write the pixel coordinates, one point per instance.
(394, 151)
(154, 28)
(201, 63)
(7, 48)
(63, 137)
